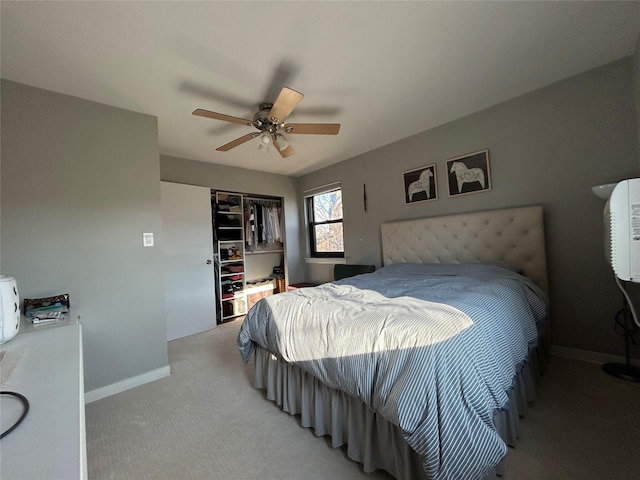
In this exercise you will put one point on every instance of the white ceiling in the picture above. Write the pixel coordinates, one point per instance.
(384, 70)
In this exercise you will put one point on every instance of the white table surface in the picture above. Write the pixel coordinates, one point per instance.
(44, 364)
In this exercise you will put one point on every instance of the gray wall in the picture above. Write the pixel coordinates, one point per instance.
(548, 147)
(222, 177)
(80, 183)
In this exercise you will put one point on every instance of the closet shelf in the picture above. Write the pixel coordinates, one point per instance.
(230, 251)
(235, 297)
(262, 252)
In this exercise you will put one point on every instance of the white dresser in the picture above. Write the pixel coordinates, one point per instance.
(45, 365)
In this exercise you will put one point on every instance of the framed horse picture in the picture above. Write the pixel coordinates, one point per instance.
(420, 185)
(469, 173)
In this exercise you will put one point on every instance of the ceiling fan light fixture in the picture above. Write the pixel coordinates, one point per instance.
(283, 144)
(263, 148)
(265, 139)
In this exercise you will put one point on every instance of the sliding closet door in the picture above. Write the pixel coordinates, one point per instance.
(188, 256)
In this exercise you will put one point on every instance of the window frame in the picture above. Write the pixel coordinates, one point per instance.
(311, 224)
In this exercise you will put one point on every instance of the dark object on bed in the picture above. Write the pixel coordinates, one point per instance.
(341, 271)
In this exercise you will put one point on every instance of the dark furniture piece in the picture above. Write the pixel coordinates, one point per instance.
(295, 286)
(341, 270)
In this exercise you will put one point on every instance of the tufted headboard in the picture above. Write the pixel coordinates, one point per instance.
(514, 236)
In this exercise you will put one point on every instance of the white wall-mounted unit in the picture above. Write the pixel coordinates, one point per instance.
(622, 230)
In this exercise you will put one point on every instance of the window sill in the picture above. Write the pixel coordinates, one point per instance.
(328, 261)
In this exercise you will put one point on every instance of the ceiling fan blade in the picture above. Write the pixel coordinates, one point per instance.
(284, 105)
(237, 141)
(220, 116)
(312, 128)
(285, 152)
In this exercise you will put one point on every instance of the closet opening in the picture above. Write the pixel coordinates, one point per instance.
(249, 250)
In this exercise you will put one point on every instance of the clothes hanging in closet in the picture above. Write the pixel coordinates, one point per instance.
(263, 224)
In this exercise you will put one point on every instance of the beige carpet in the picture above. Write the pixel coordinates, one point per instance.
(206, 421)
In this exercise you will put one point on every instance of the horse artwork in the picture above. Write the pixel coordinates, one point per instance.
(421, 188)
(469, 173)
(420, 185)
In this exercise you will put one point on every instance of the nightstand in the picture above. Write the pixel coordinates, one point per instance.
(295, 286)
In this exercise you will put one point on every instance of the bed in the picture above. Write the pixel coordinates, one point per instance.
(422, 368)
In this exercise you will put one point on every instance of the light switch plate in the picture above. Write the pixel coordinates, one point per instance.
(147, 239)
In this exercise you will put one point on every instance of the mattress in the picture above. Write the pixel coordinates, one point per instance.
(433, 350)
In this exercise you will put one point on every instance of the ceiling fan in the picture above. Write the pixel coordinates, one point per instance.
(269, 120)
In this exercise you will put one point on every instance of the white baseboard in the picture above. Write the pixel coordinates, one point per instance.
(589, 356)
(126, 384)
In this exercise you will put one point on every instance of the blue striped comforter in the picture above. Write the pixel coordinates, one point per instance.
(432, 348)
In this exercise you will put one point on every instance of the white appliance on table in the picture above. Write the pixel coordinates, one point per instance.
(9, 309)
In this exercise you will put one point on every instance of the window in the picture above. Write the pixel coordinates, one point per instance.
(324, 216)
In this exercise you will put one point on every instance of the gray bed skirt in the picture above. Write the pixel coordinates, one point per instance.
(370, 439)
